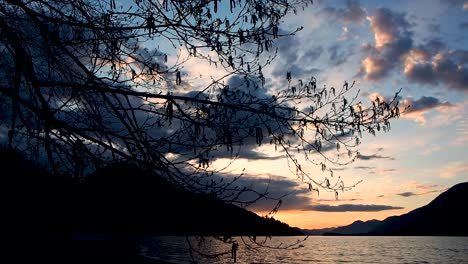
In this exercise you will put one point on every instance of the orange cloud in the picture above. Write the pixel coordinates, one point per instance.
(420, 107)
(373, 67)
(392, 41)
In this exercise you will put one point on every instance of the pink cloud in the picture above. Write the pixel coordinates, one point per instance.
(392, 41)
(454, 169)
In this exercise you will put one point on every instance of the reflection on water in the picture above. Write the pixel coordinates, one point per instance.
(319, 249)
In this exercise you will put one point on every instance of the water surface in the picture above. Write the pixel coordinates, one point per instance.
(318, 249)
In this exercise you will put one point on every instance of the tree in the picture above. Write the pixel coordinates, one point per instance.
(88, 83)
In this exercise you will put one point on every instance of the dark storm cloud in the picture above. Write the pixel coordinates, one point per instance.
(393, 39)
(425, 103)
(351, 208)
(352, 13)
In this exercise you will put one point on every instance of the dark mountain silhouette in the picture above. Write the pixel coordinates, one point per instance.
(317, 232)
(357, 227)
(443, 216)
(119, 199)
(54, 219)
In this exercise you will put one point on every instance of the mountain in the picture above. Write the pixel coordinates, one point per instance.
(443, 216)
(317, 232)
(120, 199)
(357, 227)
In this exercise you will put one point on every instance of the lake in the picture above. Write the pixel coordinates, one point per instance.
(317, 249)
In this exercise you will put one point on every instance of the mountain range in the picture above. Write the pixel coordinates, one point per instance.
(56, 219)
(444, 216)
(119, 199)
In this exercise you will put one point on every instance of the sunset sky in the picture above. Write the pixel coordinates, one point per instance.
(418, 46)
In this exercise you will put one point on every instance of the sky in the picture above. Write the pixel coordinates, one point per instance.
(416, 46)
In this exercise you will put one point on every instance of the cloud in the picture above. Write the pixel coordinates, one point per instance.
(337, 56)
(428, 67)
(393, 39)
(254, 155)
(293, 194)
(406, 194)
(351, 208)
(434, 28)
(297, 72)
(390, 31)
(352, 13)
(430, 63)
(340, 200)
(237, 126)
(287, 49)
(410, 194)
(456, 3)
(461, 138)
(453, 169)
(418, 108)
(364, 167)
(425, 103)
(373, 156)
(292, 57)
(418, 186)
(312, 54)
(414, 188)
